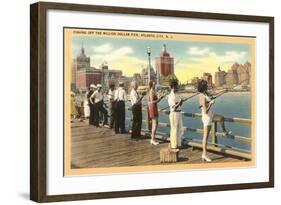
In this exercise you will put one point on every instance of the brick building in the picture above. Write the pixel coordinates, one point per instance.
(86, 77)
(243, 72)
(220, 77)
(237, 74)
(83, 75)
(164, 63)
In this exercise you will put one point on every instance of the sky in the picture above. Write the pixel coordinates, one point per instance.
(191, 58)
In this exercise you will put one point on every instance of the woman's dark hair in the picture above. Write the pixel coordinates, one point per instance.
(150, 84)
(174, 84)
(202, 86)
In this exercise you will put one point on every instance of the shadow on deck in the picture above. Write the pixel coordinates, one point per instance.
(101, 147)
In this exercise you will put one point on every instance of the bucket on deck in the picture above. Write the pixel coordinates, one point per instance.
(169, 155)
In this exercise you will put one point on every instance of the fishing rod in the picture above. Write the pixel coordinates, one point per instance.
(212, 96)
(189, 97)
(162, 96)
(224, 91)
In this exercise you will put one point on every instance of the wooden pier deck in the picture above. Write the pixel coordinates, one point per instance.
(100, 147)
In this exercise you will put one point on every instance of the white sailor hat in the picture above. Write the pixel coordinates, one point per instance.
(99, 86)
(92, 86)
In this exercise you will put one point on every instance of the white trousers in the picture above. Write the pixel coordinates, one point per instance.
(86, 109)
(176, 130)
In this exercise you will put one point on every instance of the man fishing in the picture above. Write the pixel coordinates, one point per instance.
(176, 124)
(120, 112)
(91, 105)
(136, 99)
(111, 94)
(97, 99)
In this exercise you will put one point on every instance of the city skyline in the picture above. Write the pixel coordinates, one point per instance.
(191, 58)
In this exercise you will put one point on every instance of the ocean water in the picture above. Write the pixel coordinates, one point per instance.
(231, 104)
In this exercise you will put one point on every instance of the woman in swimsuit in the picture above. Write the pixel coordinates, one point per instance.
(153, 99)
(206, 104)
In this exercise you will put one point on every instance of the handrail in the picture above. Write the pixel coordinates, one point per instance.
(211, 146)
(218, 134)
(199, 115)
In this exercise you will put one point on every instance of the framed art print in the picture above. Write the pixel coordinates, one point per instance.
(135, 102)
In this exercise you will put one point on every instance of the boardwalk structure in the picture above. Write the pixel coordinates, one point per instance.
(93, 147)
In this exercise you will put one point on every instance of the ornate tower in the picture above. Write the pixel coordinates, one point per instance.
(82, 61)
(164, 63)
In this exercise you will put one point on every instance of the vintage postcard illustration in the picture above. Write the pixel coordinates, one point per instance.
(138, 101)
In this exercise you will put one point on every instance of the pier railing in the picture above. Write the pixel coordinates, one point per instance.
(213, 145)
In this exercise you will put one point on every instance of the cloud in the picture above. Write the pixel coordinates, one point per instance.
(104, 48)
(227, 57)
(114, 54)
(232, 56)
(120, 58)
(202, 54)
(129, 65)
(198, 51)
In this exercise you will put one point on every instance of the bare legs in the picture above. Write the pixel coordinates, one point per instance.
(220, 119)
(207, 130)
(153, 130)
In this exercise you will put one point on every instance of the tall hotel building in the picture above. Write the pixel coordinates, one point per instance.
(164, 63)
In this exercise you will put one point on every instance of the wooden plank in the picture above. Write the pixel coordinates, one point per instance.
(101, 147)
(222, 150)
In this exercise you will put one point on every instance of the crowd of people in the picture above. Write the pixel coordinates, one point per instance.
(98, 106)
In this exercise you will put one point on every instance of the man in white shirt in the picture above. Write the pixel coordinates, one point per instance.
(176, 124)
(120, 98)
(91, 105)
(97, 99)
(110, 95)
(136, 99)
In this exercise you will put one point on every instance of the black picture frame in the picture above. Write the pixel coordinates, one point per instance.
(38, 95)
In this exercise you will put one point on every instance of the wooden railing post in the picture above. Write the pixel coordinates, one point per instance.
(214, 132)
